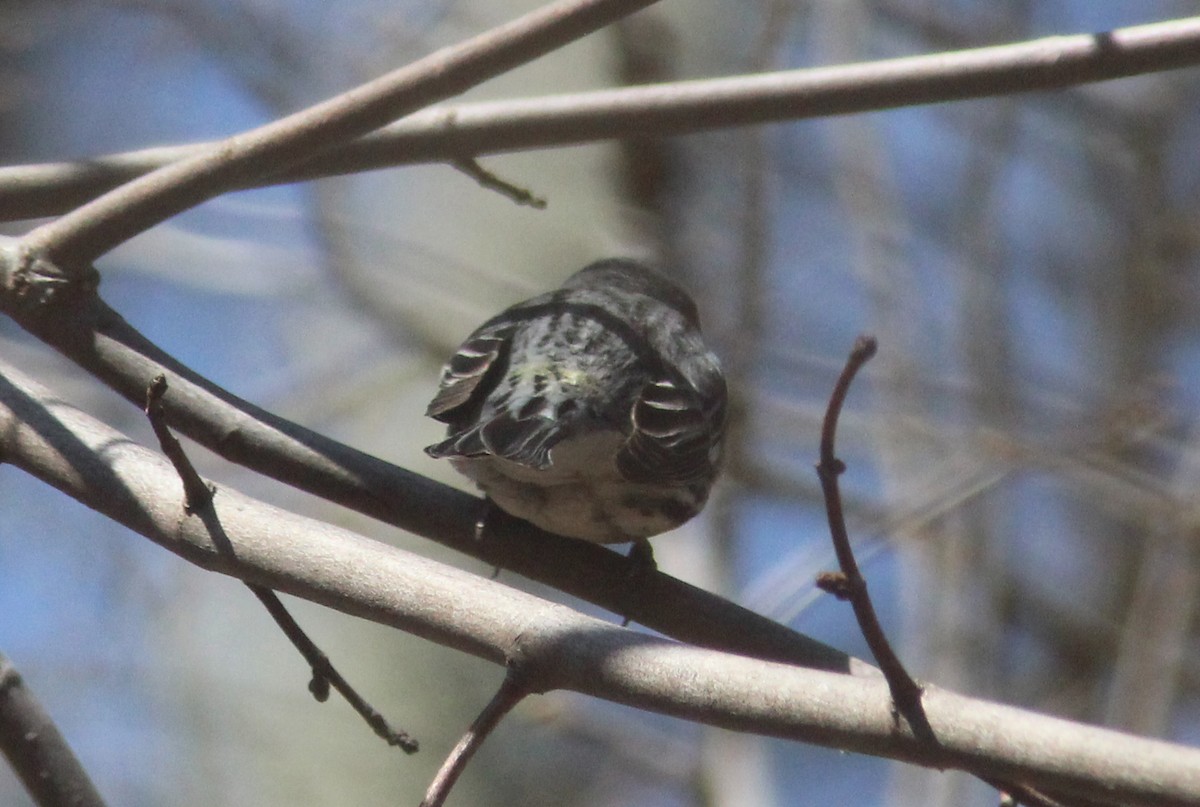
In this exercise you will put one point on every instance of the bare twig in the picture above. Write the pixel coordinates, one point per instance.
(197, 494)
(78, 238)
(849, 584)
(447, 133)
(324, 674)
(108, 472)
(36, 749)
(198, 500)
(511, 693)
(492, 182)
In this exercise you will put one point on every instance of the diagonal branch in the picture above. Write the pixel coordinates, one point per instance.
(565, 649)
(78, 238)
(325, 675)
(197, 494)
(512, 691)
(105, 345)
(445, 134)
(198, 501)
(36, 749)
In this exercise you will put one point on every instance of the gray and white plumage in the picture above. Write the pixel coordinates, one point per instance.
(594, 411)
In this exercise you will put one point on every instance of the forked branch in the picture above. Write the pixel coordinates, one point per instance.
(198, 502)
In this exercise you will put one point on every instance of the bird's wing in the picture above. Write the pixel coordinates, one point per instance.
(524, 436)
(525, 441)
(675, 435)
(471, 374)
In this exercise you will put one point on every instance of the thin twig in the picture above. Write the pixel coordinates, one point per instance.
(511, 692)
(197, 494)
(324, 674)
(198, 499)
(37, 750)
(492, 182)
(78, 238)
(849, 584)
(447, 133)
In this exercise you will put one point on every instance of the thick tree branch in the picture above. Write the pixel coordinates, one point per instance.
(446, 134)
(103, 344)
(557, 648)
(37, 750)
(78, 238)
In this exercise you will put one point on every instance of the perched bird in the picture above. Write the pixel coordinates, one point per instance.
(593, 411)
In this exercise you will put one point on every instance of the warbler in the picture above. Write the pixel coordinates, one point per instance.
(594, 411)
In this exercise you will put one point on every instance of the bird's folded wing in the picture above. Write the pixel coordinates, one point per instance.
(525, 441)
(479, 359)
(672, 438)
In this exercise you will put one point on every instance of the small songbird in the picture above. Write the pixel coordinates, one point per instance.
(593, 411)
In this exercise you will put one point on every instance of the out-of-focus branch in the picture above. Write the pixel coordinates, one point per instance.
(36, 749)
(555, 647)
(88, 232)
(448, 133)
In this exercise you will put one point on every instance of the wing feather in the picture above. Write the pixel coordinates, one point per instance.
(675, 436)
(471, 374)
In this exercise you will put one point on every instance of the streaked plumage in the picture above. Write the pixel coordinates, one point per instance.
(593, 411)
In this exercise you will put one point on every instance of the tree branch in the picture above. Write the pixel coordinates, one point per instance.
(197, 494)
(197, 501)
(446, 134)
(562, 649)
(37, 750)
(103, 344)
(512, 691)
(79, 237)
(324, 674)
(850, 584)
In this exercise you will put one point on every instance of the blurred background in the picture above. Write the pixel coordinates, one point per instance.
(1024, 452)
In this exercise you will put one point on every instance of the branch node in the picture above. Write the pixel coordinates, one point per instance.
(833, 467)
(835, 583)
(35, 280)
(318, 685)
